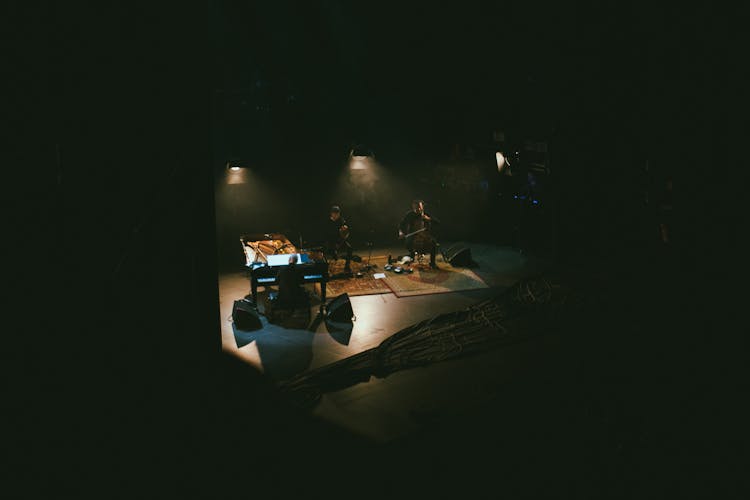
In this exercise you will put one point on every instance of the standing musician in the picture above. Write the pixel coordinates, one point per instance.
(336, 236)
(415, 229)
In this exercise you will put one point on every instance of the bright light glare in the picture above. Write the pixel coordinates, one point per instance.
(500, 161)
(234, 169)
(358, 163)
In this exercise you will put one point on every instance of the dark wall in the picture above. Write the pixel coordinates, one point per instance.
(112, 129)
(612, 97)
(291, 97)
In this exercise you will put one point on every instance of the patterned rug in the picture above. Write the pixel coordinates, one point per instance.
(423, 281)
(366, 285)
(426, 281)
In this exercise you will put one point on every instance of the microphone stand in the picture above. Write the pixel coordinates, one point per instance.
(368, 266)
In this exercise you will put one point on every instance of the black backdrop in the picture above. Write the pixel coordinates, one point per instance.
(119, 381)
(295, 87)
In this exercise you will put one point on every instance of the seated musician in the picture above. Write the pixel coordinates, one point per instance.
(289, 281)
(336, 235)
(416, 220)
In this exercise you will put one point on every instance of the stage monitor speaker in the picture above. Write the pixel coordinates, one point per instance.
(340, 309)
(458, 255)
(245, 316)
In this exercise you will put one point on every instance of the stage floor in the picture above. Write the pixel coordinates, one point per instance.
(282, 351)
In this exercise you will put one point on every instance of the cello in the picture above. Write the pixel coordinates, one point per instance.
(420, 240)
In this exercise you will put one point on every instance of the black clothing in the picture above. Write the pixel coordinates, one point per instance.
(412, 221)
(334, 243)
(332, 230)
(289, 282)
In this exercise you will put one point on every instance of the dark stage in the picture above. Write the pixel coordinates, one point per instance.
(283, 349)
(593, 349)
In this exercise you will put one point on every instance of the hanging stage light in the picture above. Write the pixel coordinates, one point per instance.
(501, 162)
(234, 166)
(236, 173)
(360, 157)
(506, 160)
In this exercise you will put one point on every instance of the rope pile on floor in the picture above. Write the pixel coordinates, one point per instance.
(526, 309)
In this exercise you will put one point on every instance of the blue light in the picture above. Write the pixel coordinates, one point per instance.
(515, 197)
(536, 202)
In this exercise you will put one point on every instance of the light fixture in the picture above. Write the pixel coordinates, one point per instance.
(237, 172)
(235, 165)
(357, 163)
(361, 151)
(502, 161)
(360, 157)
